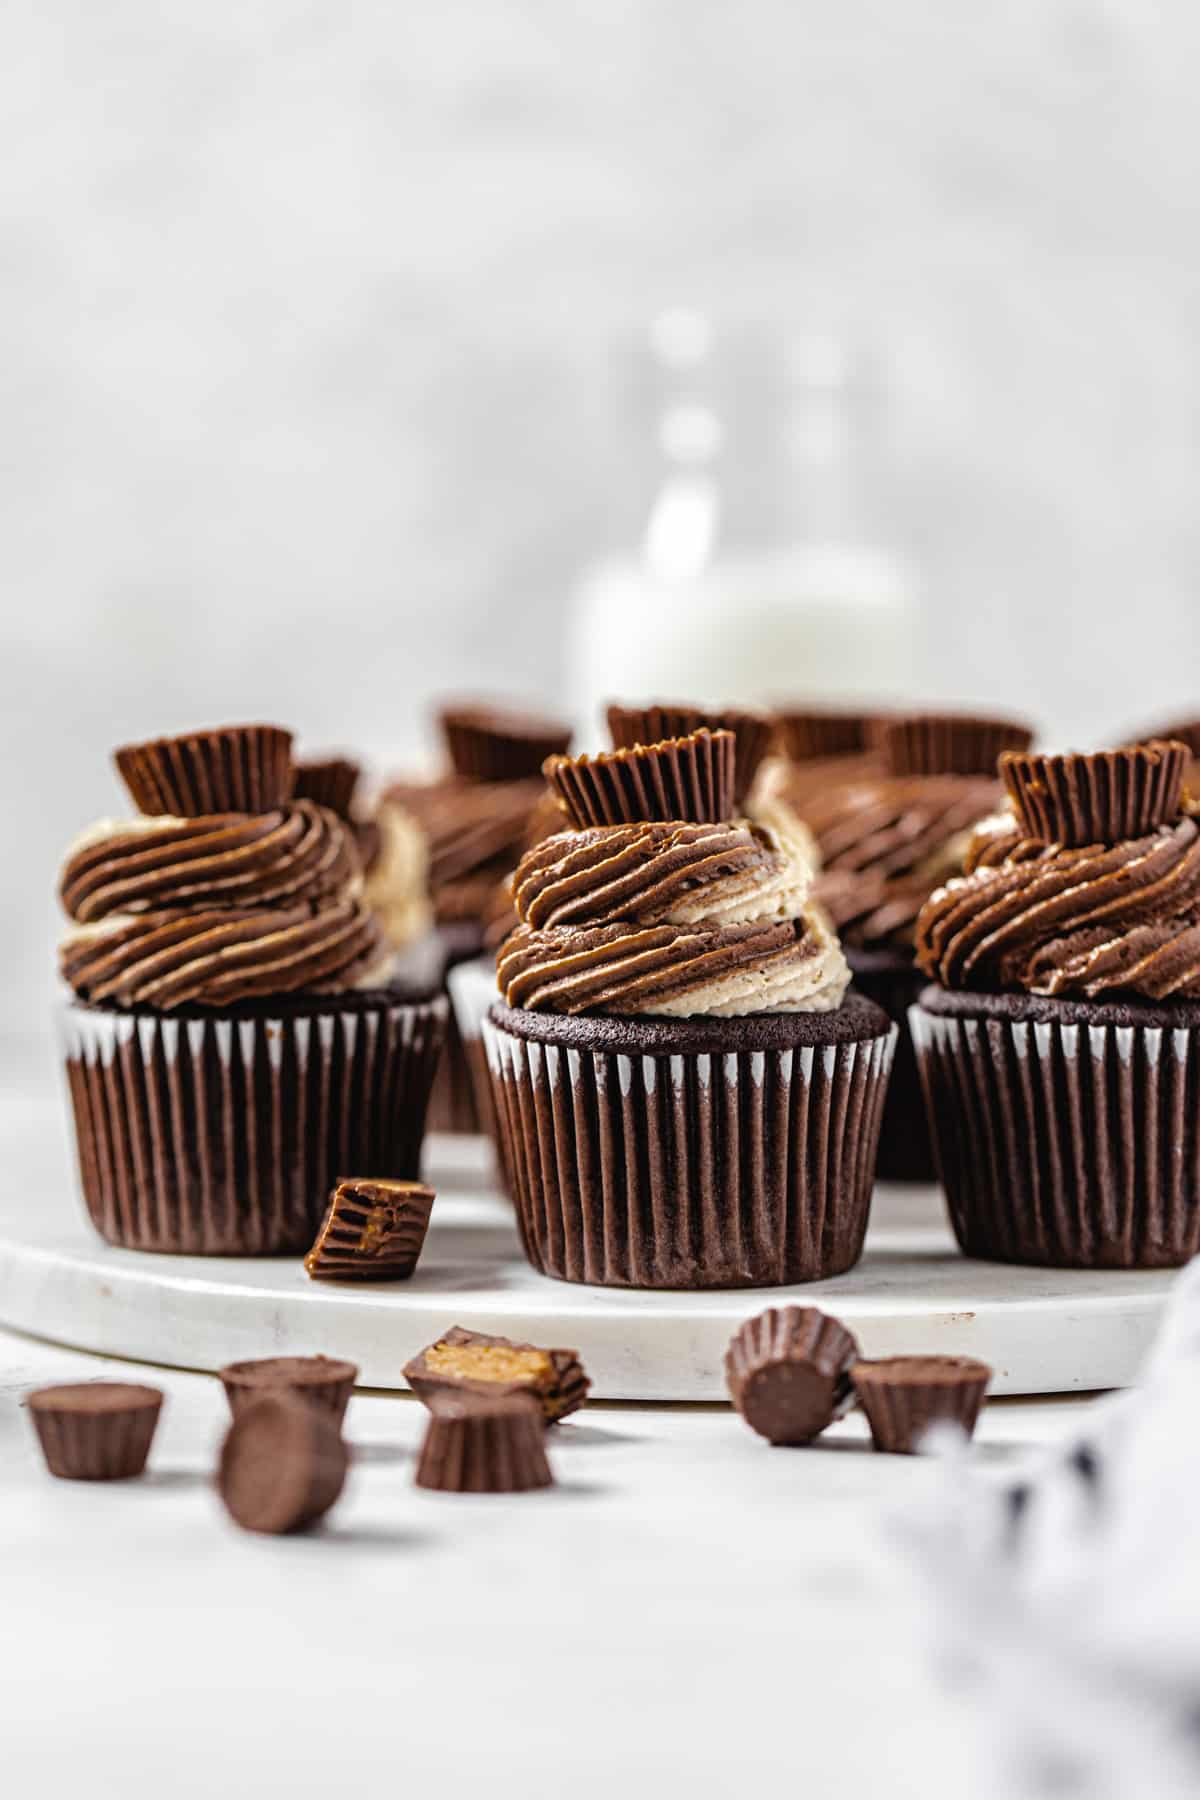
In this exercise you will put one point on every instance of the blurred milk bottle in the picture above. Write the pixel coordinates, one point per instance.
(755, 581)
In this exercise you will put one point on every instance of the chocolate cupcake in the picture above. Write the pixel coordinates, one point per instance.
(235, 1038)
(687, 1096)
(1060, 1047)
(476, 818)
(885, 842)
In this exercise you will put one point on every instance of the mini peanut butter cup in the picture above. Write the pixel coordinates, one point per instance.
(949, 743)
(807, 734)
(788, 1372)
(322, 1381)
(1179, 731)
(1099, 798)
(484, 1446)
(490, 743)
(283, 1464)
(632, 725)
(233, 768)
(328, 781)
(689, 778)
(373, 1231)
(903, 1396)
(95, 1430)
(472, 1363)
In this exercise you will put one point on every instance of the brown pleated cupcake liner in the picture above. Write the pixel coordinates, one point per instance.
(1067, 1145)
(283, 1465)
(99, 1431)
(691, 778)
(235, 768)
(325, 1382)
(905, 1146)
(328, 781)
(903, 1396)
(788, 1372)
(484, 1447)
(632, 725)
(949, 743)
(373, 1231)
(750, 1169)
(489, 744)
(1098, 798)
(223, 1136)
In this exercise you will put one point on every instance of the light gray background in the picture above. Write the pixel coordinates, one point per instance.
(308, 315)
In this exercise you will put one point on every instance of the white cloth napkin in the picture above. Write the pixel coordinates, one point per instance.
(1066, 1594)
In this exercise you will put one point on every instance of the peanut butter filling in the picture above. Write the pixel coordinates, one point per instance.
(488, 1362)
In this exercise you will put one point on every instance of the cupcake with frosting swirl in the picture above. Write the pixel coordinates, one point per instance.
(687, 1094)
(234, 1038)
(886, 838)
(1059, 1045)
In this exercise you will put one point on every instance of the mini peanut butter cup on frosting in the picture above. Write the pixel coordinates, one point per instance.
(690, 778)
(236, 1036)
(330, 781)
(492, 743)
(686, 1094)
(886, 839)
(629, 726)
(1059, 1042)
(234, 768)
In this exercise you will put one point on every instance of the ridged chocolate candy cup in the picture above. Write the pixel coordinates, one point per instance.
(96, 1431)
(788, 1372)
(223, 1135)
(325, 1382)
(752, 732)
(736, 1159)
(232, 768)
(484, 1447)
(1066, 1134)
(904, 1396)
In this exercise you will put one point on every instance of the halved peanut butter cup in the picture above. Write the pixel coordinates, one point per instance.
(689, 778)
(1099, 798)
(232, 769)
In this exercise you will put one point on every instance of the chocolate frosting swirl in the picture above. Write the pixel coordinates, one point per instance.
(218, 956)
(886, 844)
(301, 852)
(1092, 921)
(214, 910)
(676, 918)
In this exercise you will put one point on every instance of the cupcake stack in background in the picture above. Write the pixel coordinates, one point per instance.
(683, 972)
(476, 815)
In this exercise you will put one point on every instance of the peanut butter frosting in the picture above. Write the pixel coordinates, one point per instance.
(673, 918)
(213, 910)
(1094, 921)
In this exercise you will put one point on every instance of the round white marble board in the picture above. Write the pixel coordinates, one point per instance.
(1042, 1330)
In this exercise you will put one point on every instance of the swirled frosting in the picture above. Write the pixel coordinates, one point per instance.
(886, 843)
(475, 832)
(213, 910)
(1090, 922)
(669, 918)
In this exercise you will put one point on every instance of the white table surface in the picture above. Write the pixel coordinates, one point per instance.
(688, 1611)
